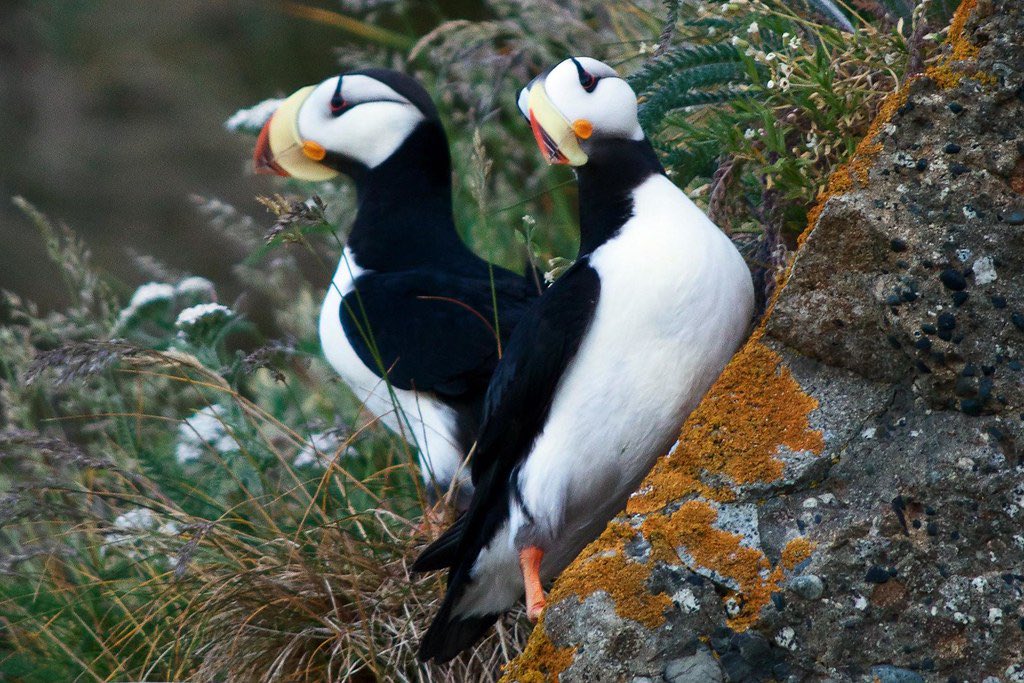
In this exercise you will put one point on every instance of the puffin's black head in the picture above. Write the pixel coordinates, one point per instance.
(346, 124)
(577, 104)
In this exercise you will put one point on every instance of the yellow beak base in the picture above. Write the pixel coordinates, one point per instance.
(287, 146)
(550, 127)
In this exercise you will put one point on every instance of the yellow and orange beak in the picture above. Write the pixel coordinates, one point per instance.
(557, 137)
(282, 151)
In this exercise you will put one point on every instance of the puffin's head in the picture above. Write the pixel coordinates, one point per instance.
(352, 121)
(578, 102)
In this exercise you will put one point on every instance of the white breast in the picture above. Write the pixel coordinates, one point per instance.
(425, 422)
(676, 300)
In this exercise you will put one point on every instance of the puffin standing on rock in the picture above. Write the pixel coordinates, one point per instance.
(413, 321)
(601, 372)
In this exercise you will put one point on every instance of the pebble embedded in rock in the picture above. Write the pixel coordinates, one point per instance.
(957, 169)
(808, 586)
(928, 328)
(946, 321)
(1015, 217)
(886, 673)
(959, 298)
(1018, 320)
(955, 107)
(951, 148)
(921, 164)
(697, 668)
(971, 406)
(896, 244)
(877, 574)
(953, 279)
(998, 301)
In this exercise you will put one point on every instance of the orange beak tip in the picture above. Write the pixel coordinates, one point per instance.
(263, 155)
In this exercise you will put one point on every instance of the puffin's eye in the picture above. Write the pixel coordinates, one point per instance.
(338, 103)
(587, 79)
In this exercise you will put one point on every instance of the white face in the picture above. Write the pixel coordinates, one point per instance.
(373, 122)
(606, 102)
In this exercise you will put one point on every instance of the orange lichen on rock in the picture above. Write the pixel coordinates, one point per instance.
(753, 409)
(603, 565)
(541, 661)
(950, 70)
(691, 527)
(858, 166)
(796, 551)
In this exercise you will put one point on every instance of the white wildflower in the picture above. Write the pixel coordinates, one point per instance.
(320, 448)
(196, 287)
(784, 84)
(770, 84)
(132, 526)
(251, 120)
(204, 429)
(150, 293)
(193, 315)
(794, 43)
(770, 57)
(529, 220)
(137, 519)
(753, 28)
(749, 134)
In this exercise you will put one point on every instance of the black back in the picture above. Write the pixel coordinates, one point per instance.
(427, 312)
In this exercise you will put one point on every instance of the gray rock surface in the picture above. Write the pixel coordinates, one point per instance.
(904, 319)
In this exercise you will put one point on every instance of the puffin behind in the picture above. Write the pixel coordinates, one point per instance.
(409, 320)
(601, 372)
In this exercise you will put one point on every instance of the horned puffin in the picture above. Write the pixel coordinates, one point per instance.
(409, 301)
(601, 372)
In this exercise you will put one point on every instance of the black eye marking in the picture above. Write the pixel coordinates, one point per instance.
(338, 103)
(587, 79)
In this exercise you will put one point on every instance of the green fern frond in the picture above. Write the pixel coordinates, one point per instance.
(696, 86)
(687, 57)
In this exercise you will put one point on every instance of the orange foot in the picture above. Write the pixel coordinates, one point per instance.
(529, 562)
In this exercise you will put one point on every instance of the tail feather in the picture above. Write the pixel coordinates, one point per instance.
(448, 636)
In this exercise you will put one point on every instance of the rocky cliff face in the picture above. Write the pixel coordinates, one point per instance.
(847, 503)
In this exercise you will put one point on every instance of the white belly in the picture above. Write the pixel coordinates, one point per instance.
(424, 422)
(676, 300)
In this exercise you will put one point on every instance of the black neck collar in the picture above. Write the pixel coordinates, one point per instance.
(615, 167)
(404, 216)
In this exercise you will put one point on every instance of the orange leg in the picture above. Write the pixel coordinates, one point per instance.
(529, 561)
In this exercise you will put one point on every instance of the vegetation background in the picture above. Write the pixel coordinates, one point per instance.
(186, 490)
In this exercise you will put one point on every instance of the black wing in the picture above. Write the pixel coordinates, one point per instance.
(515, 409)
(431, 330)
